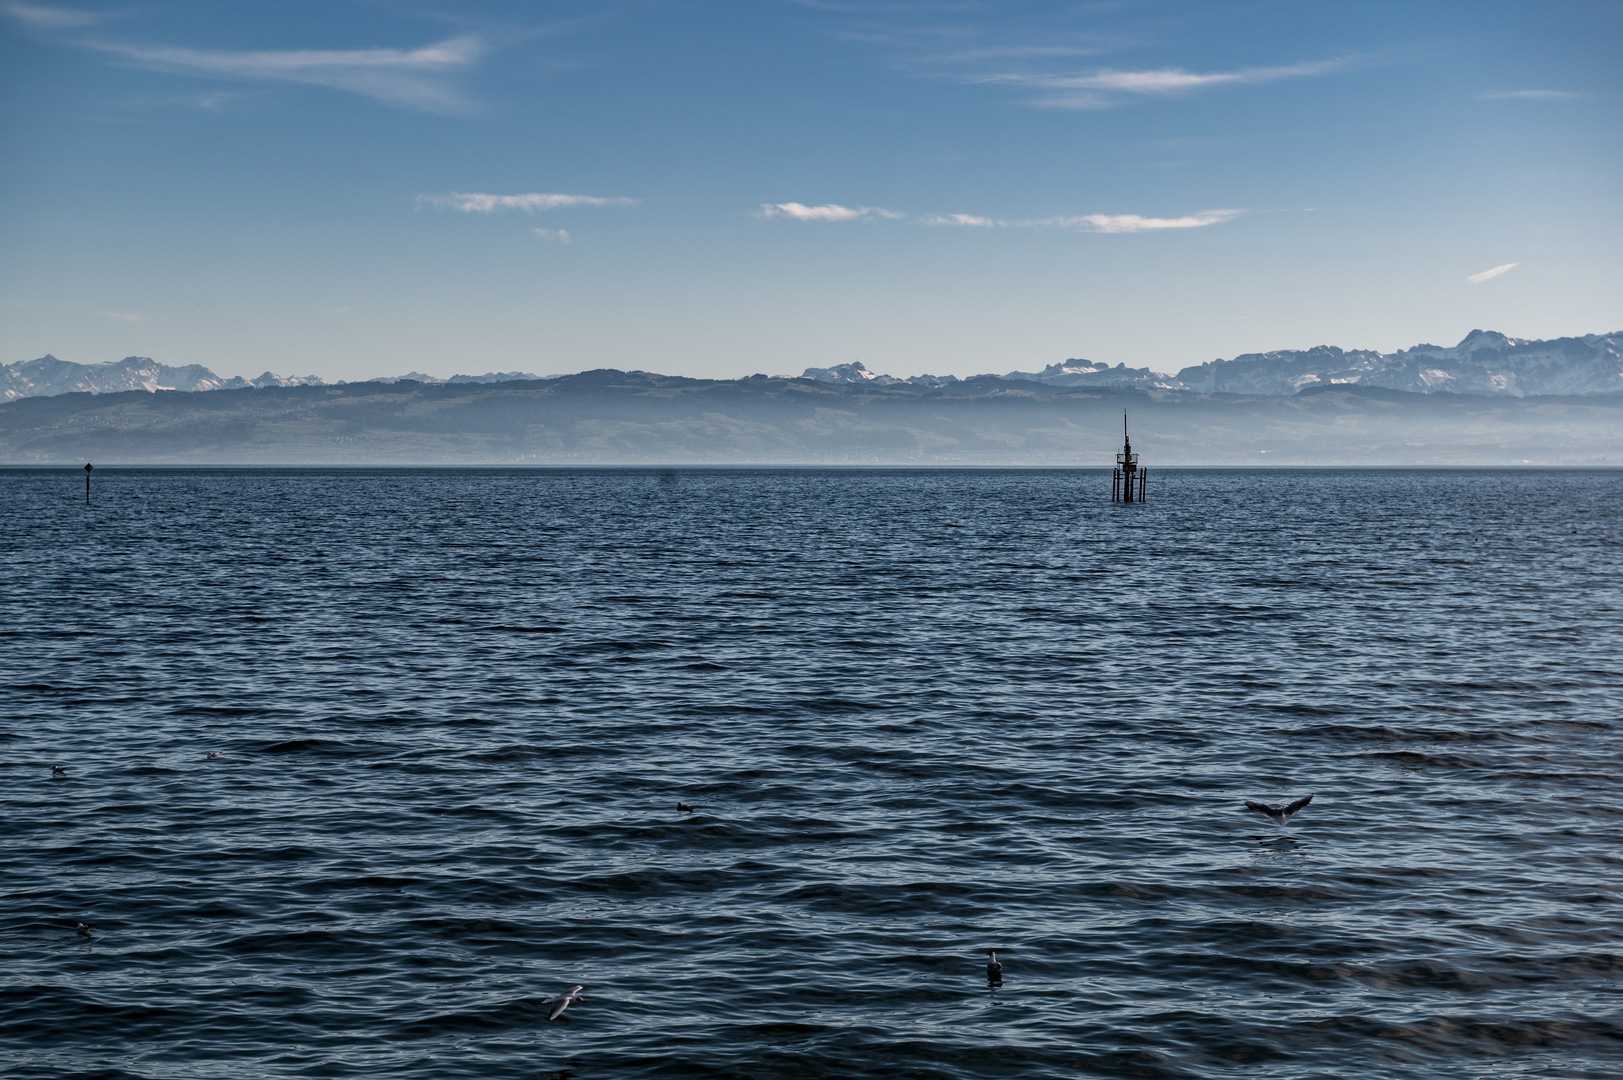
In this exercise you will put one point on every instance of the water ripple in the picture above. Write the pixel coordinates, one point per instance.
(918, 714)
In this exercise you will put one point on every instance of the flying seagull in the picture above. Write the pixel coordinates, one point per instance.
(563, 1000)
(1279, 815)
(994, 970)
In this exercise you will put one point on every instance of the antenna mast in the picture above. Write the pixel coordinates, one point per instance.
(1127, 483)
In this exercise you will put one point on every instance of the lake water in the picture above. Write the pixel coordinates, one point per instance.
(919, 714)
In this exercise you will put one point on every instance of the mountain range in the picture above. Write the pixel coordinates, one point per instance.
(48, 377)
(1485, 362)
(637, 418)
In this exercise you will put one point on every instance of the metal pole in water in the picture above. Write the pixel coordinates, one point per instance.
(87, 483)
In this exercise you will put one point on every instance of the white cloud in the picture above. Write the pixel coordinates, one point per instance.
(1489, 275)
(1106, 88)
(477, 203)
(1101, 223)
(1530, 95)
(1132, 223)
(826, 212)
(51, 18)
(412, 77)
(560, 236)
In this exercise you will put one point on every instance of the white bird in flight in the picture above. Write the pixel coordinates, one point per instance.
(1279, 815)
(563, 1000)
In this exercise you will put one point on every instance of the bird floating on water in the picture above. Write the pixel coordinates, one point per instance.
(57, 770)
(563, 1001)
(1279, 815)
(82, 929)
(683, 807)
(214, 753)
(994, 970)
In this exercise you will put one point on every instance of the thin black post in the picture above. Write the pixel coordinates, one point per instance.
(87, 483)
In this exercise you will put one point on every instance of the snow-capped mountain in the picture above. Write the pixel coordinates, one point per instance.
(1089, 373)
(487, 377)
(1484, 363)
(1068, 373)
(48, 376)
(854, 374)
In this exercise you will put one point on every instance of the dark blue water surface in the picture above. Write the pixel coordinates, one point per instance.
(920, 714)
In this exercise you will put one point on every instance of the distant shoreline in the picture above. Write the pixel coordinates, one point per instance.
(634, 419)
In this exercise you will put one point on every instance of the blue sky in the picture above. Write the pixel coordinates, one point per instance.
(357, 188)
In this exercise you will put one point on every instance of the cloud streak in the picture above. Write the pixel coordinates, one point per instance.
(825, 212)
(1134, 223)
(479, 203)
(51, 18)
(1099, 223)
(1108, 88)
(416, 78)
(1530, 95)
(1489, 275)
(971, 221)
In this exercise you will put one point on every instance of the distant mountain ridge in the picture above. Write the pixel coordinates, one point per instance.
(611, 417)
(48, 377)
(1484, 363)
(1068, 373)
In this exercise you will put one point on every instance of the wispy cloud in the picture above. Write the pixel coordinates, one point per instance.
(209, 100)
(972, 43)
(1108, 88)
(825, 212)
(1489, 275)
(479, 203)
(416, 78)
(1100, 223)
(51, 18)
(1530, 95)
(557, 236)
(214, 101)
(954, 38)
(964, 220)
(1132, 223)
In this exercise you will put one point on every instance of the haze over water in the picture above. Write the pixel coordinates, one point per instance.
(920, 714)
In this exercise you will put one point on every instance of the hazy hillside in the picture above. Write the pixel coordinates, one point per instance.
(618, 417)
